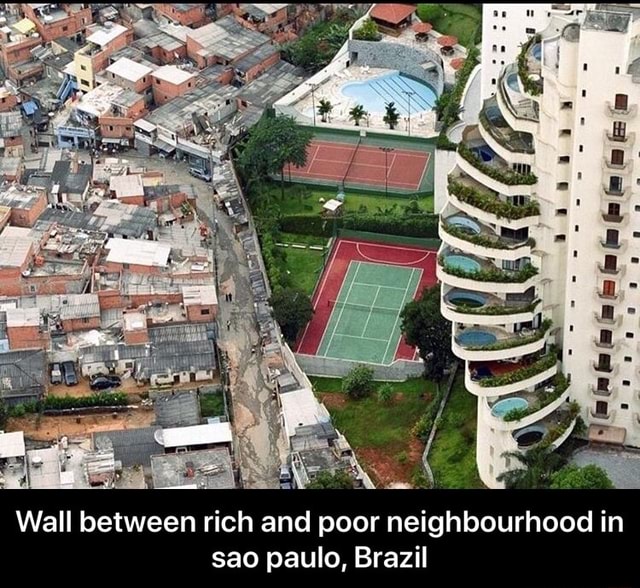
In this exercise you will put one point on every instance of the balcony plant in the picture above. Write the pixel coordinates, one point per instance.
(523, 68)
(492, 204)
(490, 274)
(515, 341)
(561, 428)
(490, 242)
(542, 364)
(495, 310)
(560, 385)
(504, 175)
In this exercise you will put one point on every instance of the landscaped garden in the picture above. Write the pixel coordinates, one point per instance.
(461, 20)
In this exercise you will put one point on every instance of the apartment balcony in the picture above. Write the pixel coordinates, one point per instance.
(617, 297)
(616, 195)
(460, 270)
(479, 308)
(609, 322)
(464, 232)
(520, 111)
(612, 246)
(497, 378)
(597, 394)
(599, 345)
(486, 343)
(619, 113)
(598, 418)
(600, 369)
(621, 169)
(499, 135)
(606, 271)
(616, 141)
(615, 220)
(553, 430)
(530, 407)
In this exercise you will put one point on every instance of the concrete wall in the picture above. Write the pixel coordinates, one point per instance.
(398, 371)
(445, 161)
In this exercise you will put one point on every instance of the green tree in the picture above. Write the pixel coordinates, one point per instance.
(391, 115)
(357, 113)
(430, 12)
(358, 383)
(368, 31)
(293, 310)
(424, 326)
(538, 466)
(572, 477)
(385, 393)
(4, 414)
(273, 143)
(339, 480)
(324, 109)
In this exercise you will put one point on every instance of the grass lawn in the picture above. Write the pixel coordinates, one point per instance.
(211, 405)
(380, 433)
(460, 20)
(453, 453)
(302, 239)
(304, 200)
(305, 266)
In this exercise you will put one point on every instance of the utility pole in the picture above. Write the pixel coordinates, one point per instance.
(313, 100)
(386, 150)
(409, 93)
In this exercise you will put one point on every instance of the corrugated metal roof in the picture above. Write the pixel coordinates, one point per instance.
(131, 446)
(177, 409)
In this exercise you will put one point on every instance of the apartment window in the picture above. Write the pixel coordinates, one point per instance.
(560, 238)
(636, 234)
(565, 132)
(604, 361)
(577, 201)
(621, 102)
(573, 304)
(530, 31)
(65, 28)
(125, 266)
(606, 337)
(602, 408)
(561, 212)
(564, 159)
(580, 148)
(573, 279)
(624, 406)
(579, 176)
(504, 28)
(609, 288)
(493, 61)
(493, 81)
(205, 311)
(612, 237)
(562, 186)
(144, 79)
(495, 27)
(619, 129)
(617, 69)
(635, 260)
(32, 288)
(628, 359)
(128, 364)
(566, 105)
(584, 93)
(603, 384)
(617, 157)
(582, 121)
(111, 127)
(83, 67)
(157, 81)
(502, 48)
(575, 253)
(628, 335)
(495, 13)
(615, 184)
(626, 383)
(571, 328)
(504, 14)
(494, 48)
(613, 209)
(631, 310)
(633, 285)
(607, 312)
(570, 352)
(189, 85)
(576, 228)
(637, 208)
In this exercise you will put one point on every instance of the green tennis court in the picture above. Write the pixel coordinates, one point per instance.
(365, 319)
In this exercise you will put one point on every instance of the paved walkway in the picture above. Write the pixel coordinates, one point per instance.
(622, 466)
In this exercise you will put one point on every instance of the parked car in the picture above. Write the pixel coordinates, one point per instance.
(198, 173)
(69, 373)
(105, 382)
(285, 477)
(56, 374)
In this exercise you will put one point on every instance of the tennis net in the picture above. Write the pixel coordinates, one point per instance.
(366, 307)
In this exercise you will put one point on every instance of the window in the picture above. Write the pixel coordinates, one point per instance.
(504, 14)
(628, 335)
(571, 328)
(582, 121)
(606, 337)
(205, 311)
(495, 27)
(584, 67)
(581, 148)
(111, 127)
(628, 359)
(613, 209)
(619, 129)
(560, 238)
(601, 408)
(564, 159)
(562, 186)
(636, 234)
(584, 93)
(579, 176)
(631, 310)
(575, 253)
(576, 228)
(32, 288)
(617, 157)
(604, 361)
(125, 266)
(573, 304)
(561, 212)
(617, 70)
(612, 236)
(85, 319)
(577, 201)
(493, 81)
(626, 383)
(502, 48)
(573, 279)
(603, 384)
(495, 13)
(607, 312)
(189, 85)
(621, 102)
(633, 285)
(609, 288)
(493, 61)
(530, 31)
(65, 28)
(565, 132)
(494, 48)
(635, 260)
(83, 67)
(611, 262)
(157, 81)
(128, 364)
(615, 184)
(624, 406)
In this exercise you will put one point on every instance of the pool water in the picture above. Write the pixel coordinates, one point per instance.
(462, 262)
(484, 153)
(464, 223)
(504, 406)
(537, 51)
(529, 435)
(512, 82)
(375, 93)
(476, 338)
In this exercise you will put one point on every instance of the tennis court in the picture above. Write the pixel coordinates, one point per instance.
(361, 165)
(365, 319)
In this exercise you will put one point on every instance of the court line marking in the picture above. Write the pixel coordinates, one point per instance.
(404, 263)
(363, 338)
(413, 296)
(376, 285)
(406, 290)
(370, 148)
(336, 176)
(366, 324)
(342, 309)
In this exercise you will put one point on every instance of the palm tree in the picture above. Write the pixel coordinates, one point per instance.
(539, 464)
(325, 107)
(357, 113)
(391, 115)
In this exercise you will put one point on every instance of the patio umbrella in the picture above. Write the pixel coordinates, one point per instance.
(422, 28)
(457, 62)
(447, 40)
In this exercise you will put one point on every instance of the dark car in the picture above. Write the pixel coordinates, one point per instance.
(69, 373)
(104, 382)
(56, 374)
(285, 477)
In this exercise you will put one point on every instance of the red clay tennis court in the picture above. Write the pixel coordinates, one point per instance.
(358, 164)
(332, 330)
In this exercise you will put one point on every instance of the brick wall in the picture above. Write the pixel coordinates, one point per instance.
(28, 337)
(202, 312)
(164, 91)
(194, 17)
(26, 218)
(70, 325)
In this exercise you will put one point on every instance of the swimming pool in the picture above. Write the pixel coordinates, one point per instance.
(476, 338)
(470, 299)
(466, 224)
(502, 407)
(512, 82)
(529, 435)
(536, 51)
(485, 152)
(374, 93)
(462, 262)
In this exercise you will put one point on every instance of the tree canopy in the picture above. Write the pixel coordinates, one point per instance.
(368, 31)
(571, 477)
(293, 310)
(339, 480)
(358, 383)
(424, 326)
(391, 115)
(537, 468)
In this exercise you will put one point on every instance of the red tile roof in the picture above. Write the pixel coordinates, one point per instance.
(392, 13)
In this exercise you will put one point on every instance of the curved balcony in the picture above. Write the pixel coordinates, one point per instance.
(618, 141)
(463, 232)
(597, 418)
(609, 394)
(464, 306)
(529, 65)
(604, 371)
(485, 343)
(615, 220)
(621, 113)
(482, 163)
(460, 270)
(608, 322)
(620, 169)
(497, 378)
(604, 347)
(539, 404)
(520, 111)
(606, 272)
(615, 195)
(601, 296)
(612, 246)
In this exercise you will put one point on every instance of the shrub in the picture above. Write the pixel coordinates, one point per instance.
(368, 31)
(497, 310)
(358, 383)
(514, 341)
(523, 70)
(94, 400)
(542, 364)
(490, 203)
(385, 393)
(493, 242)
(503, 175)
(430, 12)
(492, 274)
(402, 457)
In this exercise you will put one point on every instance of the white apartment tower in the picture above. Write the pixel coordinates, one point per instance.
(505, 27)
(540, 256)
